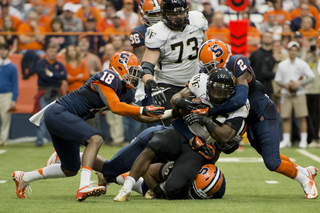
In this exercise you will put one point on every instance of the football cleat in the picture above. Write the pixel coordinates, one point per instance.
(312, 172)
(21, 185)
(122, 196)
(102, 181)
(310, 189)
(53, 159)
(88, 191)
(150, 194)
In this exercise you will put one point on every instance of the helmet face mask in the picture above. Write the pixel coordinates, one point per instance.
(150, 11)
(220, 86)
(128, 67)
(175, 14)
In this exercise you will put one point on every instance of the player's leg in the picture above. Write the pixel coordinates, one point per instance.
(266, 142)
(166, 144)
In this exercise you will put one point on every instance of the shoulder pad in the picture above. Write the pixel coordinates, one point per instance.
(197, 19)
(137, 35)
(156, 35)
(238, 64)
(110, 79)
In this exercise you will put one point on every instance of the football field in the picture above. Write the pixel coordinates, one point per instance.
(250, 187)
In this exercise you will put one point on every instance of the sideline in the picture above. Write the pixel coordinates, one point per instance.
(309, 155)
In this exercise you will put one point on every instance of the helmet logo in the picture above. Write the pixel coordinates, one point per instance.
(203, 171)
(216, 50)
(124, 58)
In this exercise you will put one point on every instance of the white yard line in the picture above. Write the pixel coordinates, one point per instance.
(2, 151)
(244, 160)
(309, 155)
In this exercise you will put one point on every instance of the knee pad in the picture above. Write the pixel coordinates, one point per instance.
(272, 164)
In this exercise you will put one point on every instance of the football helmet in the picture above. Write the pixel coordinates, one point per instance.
(213, 54)
(209, 183)
(175, 14)
(220, 86)
(128, 67)
(150, 11)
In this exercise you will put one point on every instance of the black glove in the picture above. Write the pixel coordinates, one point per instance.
(186, 103)
(153, 111)
(158, 97)
(195, 118)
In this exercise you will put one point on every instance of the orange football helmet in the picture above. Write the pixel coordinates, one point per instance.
(209, 183)
(150, 11)
(214, 54)
(128, 67)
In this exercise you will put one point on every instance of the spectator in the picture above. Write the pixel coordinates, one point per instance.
(286, 29)
(127, 45)
(11, 40)
(218, 29)
(117, 42)
(96, 41)
(207, 11)
(61, 40)
(280, 14)
(116, 29)
(73, 1)
(70, 23)
(12, 11)
(298, 37)
(296, 22)
(108, 52)
(50, 75)
(293, 95)
(19, 5)
(43, 20)
(93, 61)
(57, 10)
(127, 13)
(298, 11)
(31, 42)
(313, 92)
(8, 92)
(5, 12)
(76, 68)
(264, 51)
(88, 10)
(106, 22)
(306, 27)
(272, 26)
(268, 71)
(46, 3)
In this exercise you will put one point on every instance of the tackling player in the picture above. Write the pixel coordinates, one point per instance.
(263, 119)
(170, 59)
(65, 120)
(173, 144)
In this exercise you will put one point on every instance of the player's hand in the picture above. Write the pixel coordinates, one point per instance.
(201, 111)
(186, 103)
(157, 93)
(153, 111)
(195, 118)
(207, 151)
(197, 142)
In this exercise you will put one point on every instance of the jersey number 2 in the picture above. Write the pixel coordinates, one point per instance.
(180, 44)
(241, 64)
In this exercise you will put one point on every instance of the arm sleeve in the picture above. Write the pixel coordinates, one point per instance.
(238, 100)
(111, 99)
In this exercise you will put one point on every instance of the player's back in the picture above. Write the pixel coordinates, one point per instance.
(239, 64)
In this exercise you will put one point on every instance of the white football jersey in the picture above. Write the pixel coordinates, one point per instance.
(198, 86)
(178, 50)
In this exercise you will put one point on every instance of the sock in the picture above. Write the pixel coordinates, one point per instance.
(301, 169)
(85, 176)
(304, 136)
(301, 178)
(137, 187)
(34, 175)
(129, 183)
(286, 168)
(53, 171)
(119, 180)
(286, 136)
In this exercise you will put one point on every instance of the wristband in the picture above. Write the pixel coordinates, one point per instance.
(211, 127)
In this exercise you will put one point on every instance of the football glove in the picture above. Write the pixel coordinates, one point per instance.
(186, 103)
(199, 144)
(157, 93)
(152, 111)
(201, 111)
(195, 118)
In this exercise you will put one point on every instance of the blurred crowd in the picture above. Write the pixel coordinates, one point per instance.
(273, 24)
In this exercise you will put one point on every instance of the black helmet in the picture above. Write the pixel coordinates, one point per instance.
(170, 9)
(220, 86)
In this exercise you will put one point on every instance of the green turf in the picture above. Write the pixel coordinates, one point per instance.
(246, 191)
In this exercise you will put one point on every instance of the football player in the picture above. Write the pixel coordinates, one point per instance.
(173, 144)
(65, 120)
(170, 58)
(263, 119)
